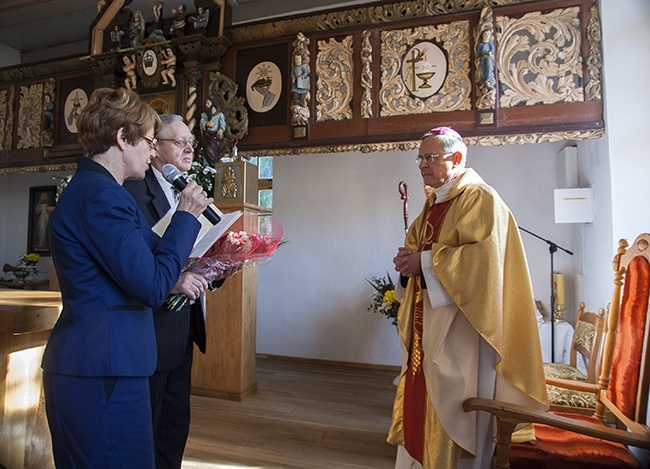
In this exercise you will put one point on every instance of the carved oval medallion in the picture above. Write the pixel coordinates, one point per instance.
(74, 103)
(424, 69)
(263, 86)
(149, 62)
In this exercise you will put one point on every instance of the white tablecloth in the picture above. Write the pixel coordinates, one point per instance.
(563, 339)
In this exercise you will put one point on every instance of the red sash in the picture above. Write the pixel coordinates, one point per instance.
(415, 390)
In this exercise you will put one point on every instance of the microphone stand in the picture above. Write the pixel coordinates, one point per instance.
(552, 249)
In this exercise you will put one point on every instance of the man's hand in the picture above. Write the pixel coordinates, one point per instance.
(232, 270)
(407, 262)
(191, 285)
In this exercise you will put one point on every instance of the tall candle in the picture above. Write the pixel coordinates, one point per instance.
(558, 283)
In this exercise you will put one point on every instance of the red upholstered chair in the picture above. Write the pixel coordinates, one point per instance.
(579, 441)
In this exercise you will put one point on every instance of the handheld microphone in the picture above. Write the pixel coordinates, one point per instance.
(173, 176)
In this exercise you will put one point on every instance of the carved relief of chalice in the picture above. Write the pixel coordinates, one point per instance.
(425, 73)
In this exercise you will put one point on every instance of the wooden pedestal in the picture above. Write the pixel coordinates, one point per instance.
(26, 320)
(227, 370)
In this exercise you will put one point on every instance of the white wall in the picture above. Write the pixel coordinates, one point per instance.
(14, 212)
(343, 216)
(619, 164)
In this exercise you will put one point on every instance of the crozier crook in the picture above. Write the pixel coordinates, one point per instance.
(404, 195)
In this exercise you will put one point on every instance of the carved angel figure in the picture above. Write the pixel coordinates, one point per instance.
(169, 62)
(130, 82)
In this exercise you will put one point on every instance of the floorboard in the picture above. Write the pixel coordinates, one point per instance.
(303, 416)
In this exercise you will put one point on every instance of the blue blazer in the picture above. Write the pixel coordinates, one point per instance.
(112, 271)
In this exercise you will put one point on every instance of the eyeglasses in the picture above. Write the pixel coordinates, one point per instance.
(181, 142)
(152, 140)
(430, 157)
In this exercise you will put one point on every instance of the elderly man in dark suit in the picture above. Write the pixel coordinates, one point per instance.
(176, 331)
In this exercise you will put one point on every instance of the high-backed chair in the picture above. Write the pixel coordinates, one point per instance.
(566, 385)
(578, 441)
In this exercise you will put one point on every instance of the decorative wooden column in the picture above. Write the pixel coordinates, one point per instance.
(227, 370)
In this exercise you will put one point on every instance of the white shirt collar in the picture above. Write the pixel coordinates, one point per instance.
(443, 191)
(165, 186)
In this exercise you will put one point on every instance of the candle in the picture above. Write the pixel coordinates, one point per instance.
(558, 284)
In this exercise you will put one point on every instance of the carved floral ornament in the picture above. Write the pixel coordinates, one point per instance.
(414, 64)
(488, 141)
(497, 140)
(363, 15)
(539, 58)
(334, 69)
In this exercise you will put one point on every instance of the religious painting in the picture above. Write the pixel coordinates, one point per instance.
(263, 86)
(163, 103)
(259, 72)
(73, 97)
(41, 205)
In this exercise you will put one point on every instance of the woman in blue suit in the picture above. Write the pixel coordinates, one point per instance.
(112, 270)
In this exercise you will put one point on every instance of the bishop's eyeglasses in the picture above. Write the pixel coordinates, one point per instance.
(430, 157)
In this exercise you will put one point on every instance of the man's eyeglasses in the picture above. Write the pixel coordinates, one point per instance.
(181, 142)
(152, 140)
(430, 157)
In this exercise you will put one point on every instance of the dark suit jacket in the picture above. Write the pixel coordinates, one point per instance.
(173, 328)
(112, 270)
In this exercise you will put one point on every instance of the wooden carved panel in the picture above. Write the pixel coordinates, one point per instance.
(539, 58)
(366, 75)
(454, 95)
(30, 110)
(6, 117)
(595, 59)
(334, 73)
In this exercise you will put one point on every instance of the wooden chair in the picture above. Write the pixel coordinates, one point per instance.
(566, 385)
(578, 441)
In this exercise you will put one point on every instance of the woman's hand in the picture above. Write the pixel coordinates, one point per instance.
(194, 199)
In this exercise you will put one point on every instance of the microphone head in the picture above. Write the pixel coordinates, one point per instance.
(170, 173)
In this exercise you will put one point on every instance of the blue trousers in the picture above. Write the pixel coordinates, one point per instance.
(99, 422)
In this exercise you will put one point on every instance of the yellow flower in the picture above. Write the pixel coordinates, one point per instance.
(390, 298)
(32, 258)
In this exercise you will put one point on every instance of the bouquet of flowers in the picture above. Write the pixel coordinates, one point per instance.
(383, 299)
(234, 250)
(202, 174)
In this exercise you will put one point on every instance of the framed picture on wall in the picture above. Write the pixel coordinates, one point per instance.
(42, 200)
(73, 96)
(163, 103)
(262, 75)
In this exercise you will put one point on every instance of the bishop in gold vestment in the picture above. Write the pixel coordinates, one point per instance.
(467, 316)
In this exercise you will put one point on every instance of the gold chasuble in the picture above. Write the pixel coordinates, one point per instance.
(487, 329)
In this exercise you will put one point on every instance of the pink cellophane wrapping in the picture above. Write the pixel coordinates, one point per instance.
(237, 248)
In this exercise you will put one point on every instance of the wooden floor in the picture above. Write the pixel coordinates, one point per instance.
(302, 416)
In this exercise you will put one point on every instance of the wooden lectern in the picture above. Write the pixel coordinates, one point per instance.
(227, 370)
